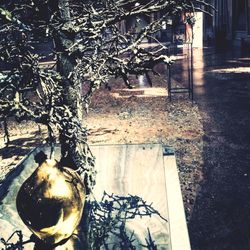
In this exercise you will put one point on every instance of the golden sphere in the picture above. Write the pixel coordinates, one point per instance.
(50, 202)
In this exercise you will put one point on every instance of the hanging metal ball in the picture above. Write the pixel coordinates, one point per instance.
(50, 202)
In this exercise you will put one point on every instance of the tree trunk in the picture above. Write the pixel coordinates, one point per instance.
(64, 38)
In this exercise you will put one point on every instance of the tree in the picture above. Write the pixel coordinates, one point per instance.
(89, 49)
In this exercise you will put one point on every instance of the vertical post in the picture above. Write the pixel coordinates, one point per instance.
(191, 73)
(6, 131)
(169, 75)
(191, 80)
(189, 69)
(169, 82)
(148, 79)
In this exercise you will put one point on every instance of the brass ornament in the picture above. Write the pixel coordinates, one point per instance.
(50, 202)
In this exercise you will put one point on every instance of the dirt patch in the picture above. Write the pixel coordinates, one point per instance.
(140, 115)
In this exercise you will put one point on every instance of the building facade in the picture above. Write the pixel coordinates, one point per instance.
(230, 22)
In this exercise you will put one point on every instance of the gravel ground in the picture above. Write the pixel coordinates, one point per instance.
(140, 115)
(144, 115)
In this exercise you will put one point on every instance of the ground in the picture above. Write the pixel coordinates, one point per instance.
(141, 115)
(145, 115)
(211, 138)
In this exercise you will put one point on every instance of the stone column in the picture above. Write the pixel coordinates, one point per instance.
(248, 17)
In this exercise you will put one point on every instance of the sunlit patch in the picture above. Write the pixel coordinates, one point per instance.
(236, 70)
(244, 59)
(141, 92)
(232, 61)
(155, 92)
(240, 60)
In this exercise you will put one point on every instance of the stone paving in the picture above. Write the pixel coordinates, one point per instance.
(220, 218)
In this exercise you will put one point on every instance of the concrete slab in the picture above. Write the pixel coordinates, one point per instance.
(123, 170)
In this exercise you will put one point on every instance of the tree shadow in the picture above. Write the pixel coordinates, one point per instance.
(102, 131)
(220, 218)
(103, 226)
(20, 146)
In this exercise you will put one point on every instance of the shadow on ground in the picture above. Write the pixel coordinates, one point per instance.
(19, 147)
(221, 218)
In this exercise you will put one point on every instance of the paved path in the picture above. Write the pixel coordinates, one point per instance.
(221, 216)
